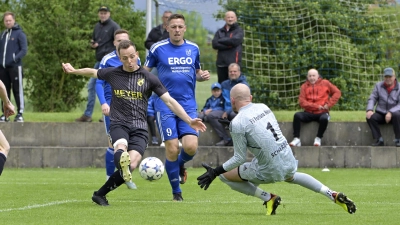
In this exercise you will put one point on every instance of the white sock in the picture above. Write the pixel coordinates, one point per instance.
(327, 192)
(263, 195)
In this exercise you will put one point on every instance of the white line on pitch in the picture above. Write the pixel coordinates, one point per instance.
(38, 205)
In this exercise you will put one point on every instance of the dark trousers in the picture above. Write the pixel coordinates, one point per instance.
(379, 118)
(12, 79)
(306, 117)
(223, 74)
(212, 119)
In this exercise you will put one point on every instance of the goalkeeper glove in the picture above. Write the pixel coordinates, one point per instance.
(205, 180)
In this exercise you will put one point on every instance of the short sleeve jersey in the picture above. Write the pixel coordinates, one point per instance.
(256, 129)
(131, 91)
(176, 67)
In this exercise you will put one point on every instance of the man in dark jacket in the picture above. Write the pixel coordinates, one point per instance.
(159, 32)
(385, 98)
(228, 41)
(103, 42)
(13, 47)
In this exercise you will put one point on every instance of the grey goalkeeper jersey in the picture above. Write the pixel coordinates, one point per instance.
(256, 129)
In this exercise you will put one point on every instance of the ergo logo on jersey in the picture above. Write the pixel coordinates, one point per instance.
(179, 61)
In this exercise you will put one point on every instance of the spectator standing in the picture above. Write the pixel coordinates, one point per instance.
(228, 42)
(235, 77)
(103, 42)
(13, 47)
(385, 98)
(159, 32)
(212, 111)
(317, 97)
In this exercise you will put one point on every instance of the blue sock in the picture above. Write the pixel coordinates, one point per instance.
(172, 169)
(183, 157)
(110, 167)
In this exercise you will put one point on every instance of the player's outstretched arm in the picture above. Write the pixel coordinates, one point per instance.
(176, 108)
(88, 72)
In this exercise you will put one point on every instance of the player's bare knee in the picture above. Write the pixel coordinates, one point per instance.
(121, 143)
(5, 148)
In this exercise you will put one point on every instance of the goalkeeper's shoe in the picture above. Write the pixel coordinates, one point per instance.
(125, 162)
(272, 204)
(346, 203)
(99, 200)
(182, 175)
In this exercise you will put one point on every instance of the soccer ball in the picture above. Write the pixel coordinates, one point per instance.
(151, 168)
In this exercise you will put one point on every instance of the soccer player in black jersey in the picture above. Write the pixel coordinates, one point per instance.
(132, 86)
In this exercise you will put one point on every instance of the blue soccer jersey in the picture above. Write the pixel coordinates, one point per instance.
(176, 67)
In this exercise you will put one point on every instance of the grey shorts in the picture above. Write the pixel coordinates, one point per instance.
(250, 171)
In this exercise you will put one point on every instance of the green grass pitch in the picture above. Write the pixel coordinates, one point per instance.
(63, 196)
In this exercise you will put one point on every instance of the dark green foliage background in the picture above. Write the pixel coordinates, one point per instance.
(59, 31)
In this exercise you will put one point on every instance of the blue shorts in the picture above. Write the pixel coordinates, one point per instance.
(171, 126)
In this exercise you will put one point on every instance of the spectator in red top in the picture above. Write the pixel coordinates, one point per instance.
(385, 99)
(316, 97)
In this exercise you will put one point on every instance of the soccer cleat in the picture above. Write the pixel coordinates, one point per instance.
(182, 175)
(317, 141)
(296, 142)
(162, 144)
(272, 204)
(346, 203)
(177, 197)
(99, 200)
(131, 185)
(179, 143)
(124, 162)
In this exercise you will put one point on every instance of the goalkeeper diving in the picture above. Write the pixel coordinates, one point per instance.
(255, 128)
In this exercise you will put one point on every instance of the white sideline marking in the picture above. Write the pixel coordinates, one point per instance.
(38, 206)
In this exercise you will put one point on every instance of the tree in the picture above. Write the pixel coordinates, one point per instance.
(59, 31)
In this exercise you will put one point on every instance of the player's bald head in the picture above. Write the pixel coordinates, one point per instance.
(240, 92)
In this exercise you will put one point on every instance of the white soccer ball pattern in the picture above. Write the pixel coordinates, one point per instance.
(151, 168)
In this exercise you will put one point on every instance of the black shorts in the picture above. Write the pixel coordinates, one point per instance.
(137, 137)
